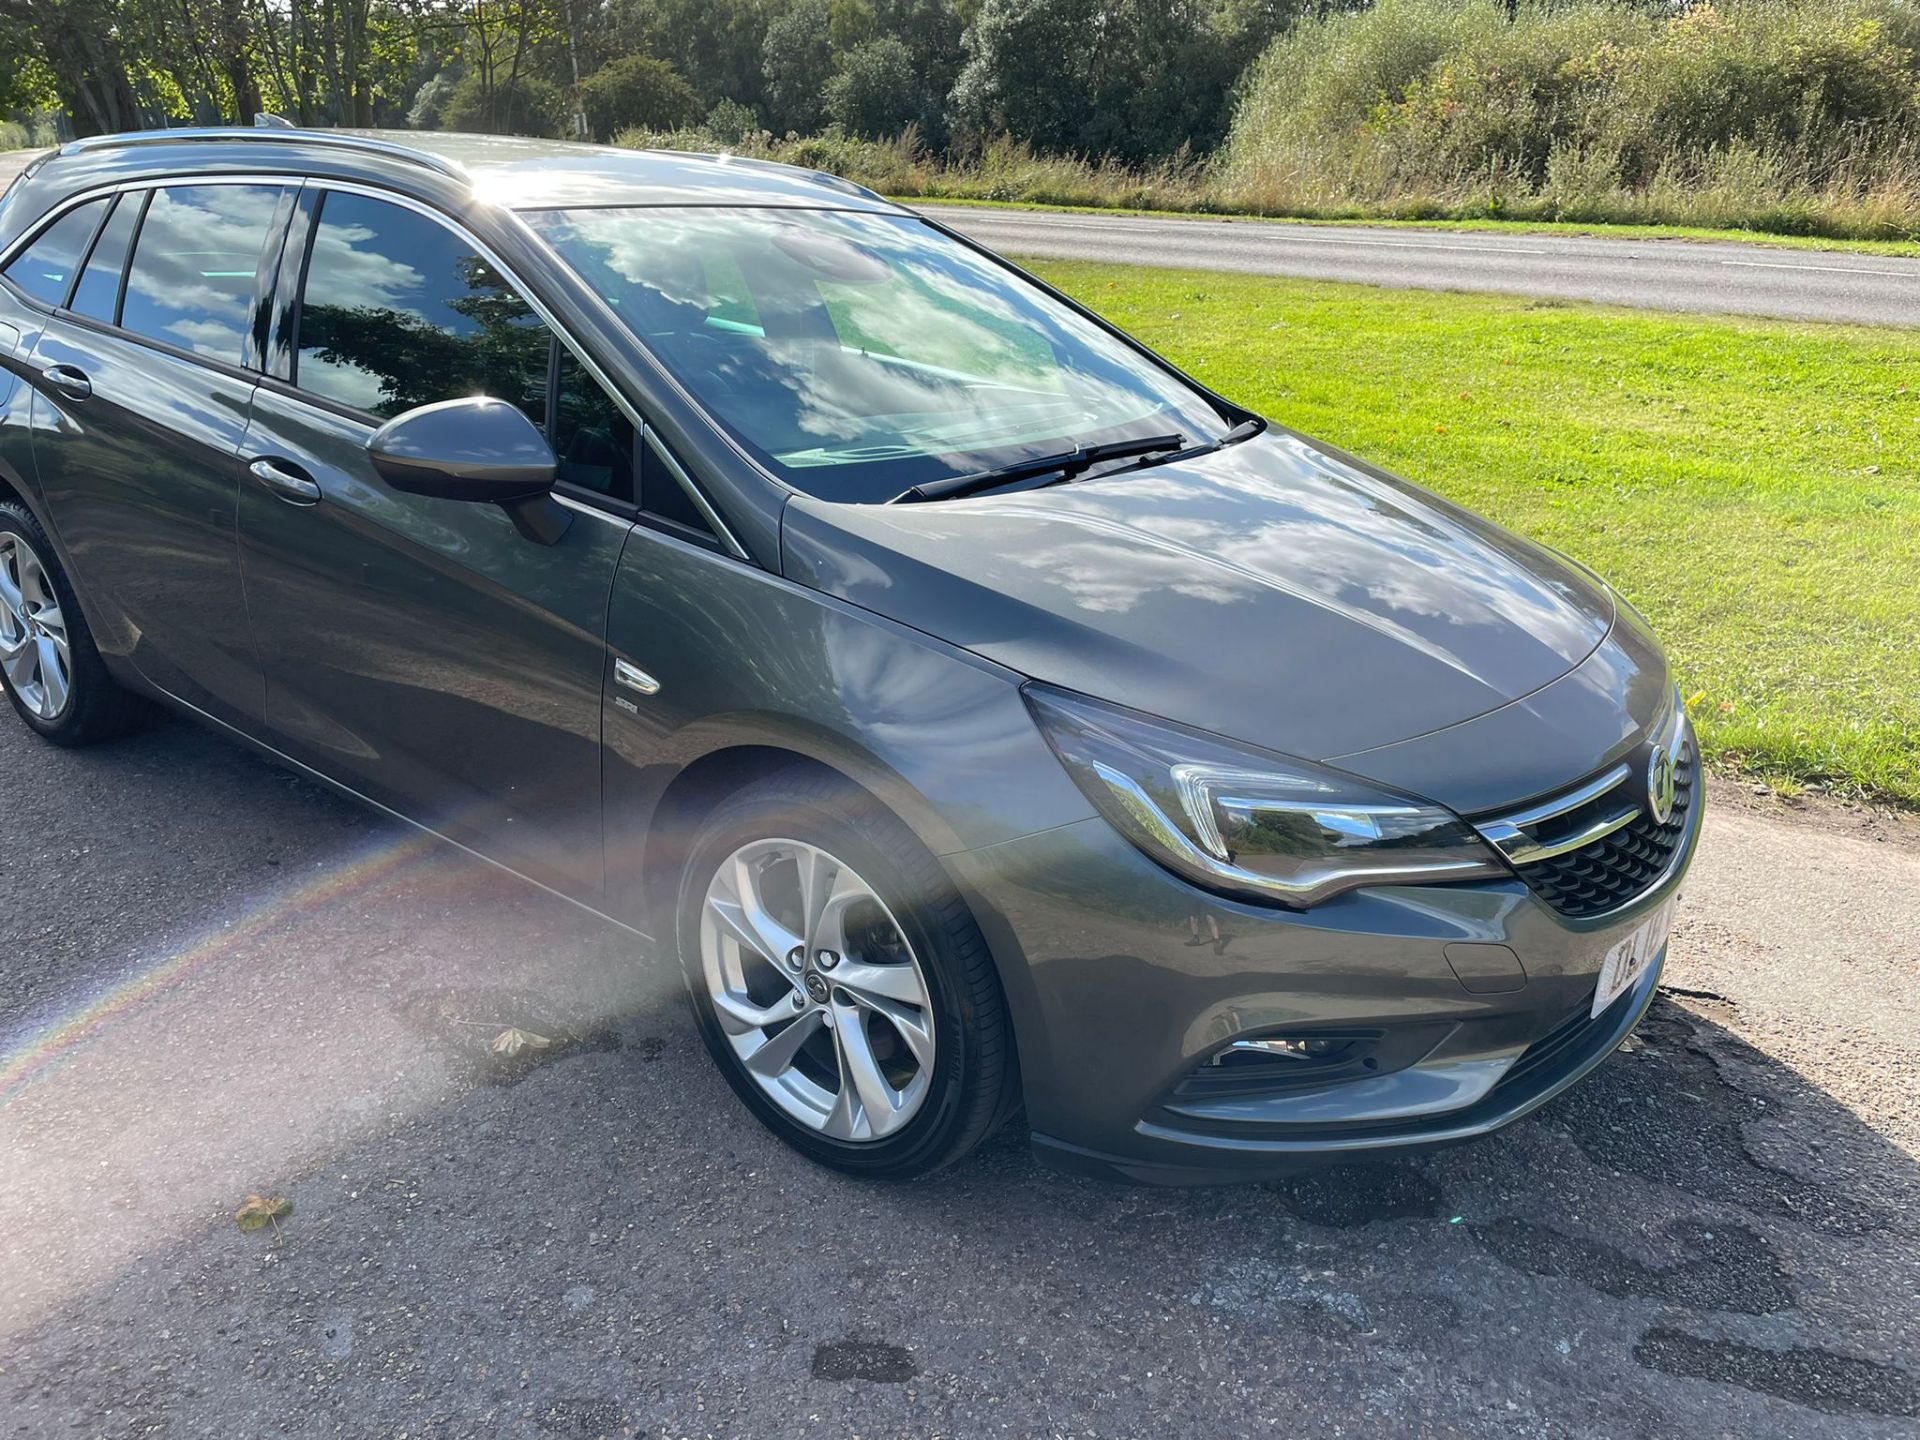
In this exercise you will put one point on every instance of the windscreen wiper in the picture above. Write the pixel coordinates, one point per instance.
(1245, 430)
(1066, 464)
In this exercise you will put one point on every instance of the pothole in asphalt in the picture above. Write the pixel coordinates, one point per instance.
(499, 1038)
(582, 1416)
(1267, 1292)
(1669, 1114)
(863, 1360)
(1345, 1197)
(1818, 1379)
(1729, 1268)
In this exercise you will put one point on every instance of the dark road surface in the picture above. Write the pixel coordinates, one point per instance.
(219, 980)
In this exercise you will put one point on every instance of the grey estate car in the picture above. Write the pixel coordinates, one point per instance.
(987, 715)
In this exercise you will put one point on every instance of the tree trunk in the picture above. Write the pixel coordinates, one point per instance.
(231, 44)
(89, 70)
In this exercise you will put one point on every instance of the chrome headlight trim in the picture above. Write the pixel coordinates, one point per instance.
(1247, 823)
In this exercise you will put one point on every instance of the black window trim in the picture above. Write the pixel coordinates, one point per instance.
(145, 203)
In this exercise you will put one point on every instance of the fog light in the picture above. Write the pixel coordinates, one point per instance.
(1286, 1047)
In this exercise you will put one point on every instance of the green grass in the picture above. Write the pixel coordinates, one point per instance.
(1752, 486)
(1510, 227)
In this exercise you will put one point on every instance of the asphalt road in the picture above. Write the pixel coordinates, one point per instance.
(1655, 274)
(216, 979)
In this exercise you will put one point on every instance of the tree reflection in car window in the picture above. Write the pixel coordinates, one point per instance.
(397, 312)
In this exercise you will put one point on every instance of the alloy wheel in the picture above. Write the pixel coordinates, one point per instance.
(33, 632)
(817, 990)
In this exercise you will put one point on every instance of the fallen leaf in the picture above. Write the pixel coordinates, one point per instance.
(261, 1211)
(512, 1040)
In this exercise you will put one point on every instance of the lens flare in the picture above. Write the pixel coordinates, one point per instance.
(42, 1051)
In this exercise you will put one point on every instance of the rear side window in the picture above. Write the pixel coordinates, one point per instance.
(98, 294)
(195, 266)
(397, 311)
(45, 269)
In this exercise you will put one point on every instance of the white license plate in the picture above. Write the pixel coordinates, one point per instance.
(1627, 961)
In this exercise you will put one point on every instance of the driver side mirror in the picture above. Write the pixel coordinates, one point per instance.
(477, 449)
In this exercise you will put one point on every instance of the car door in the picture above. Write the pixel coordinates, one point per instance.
(142, 380)
(423, 651)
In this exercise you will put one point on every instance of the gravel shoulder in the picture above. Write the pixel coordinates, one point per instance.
(220, 980)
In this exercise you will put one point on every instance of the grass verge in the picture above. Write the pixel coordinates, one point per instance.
(1750, 485)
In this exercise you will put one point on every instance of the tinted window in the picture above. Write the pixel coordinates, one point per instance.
(98, 294)
(592, 437)
(194, 267)
(398, 312)
(663, 495)
(45, 268)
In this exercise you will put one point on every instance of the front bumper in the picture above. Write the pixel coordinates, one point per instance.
(1125, 981)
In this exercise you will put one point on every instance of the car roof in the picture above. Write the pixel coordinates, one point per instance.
(507, 170)
(546, 173)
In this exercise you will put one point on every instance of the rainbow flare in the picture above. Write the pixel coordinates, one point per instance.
(42, 1052)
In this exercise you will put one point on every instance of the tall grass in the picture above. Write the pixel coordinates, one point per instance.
(1787, 116)
(1000, 169)
(1794, 116)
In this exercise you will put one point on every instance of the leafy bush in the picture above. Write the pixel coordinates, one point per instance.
(531, 106)
(1133, 79)
(730, 124)
(637, 90)
(874, 91)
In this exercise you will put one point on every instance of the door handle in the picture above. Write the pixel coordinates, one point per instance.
(288, 485)
(70, 382)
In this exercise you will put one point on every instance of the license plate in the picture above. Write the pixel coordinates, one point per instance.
(1628, 960)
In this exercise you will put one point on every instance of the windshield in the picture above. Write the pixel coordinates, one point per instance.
(856, 355)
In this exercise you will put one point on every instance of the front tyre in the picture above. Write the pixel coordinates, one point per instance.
(49, 665)
(839, 981)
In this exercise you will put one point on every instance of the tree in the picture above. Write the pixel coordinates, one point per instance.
(731, 123)
(931, 30)
(718, 45)
(1134, 79)
(874, 92)
(637, 91)
(797, 61)
(528, 105)
(79, 44)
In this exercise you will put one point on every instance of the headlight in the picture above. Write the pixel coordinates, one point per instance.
(1247, 823)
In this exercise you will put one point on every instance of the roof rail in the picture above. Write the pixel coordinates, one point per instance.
(366, 144)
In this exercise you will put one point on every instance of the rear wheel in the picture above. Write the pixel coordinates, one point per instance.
(839, 981)
(49, 665)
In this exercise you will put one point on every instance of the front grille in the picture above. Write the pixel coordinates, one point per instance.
(1613, 870)
(1629, 850)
